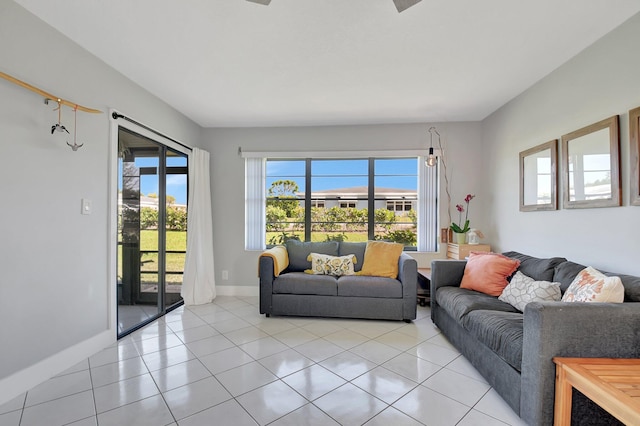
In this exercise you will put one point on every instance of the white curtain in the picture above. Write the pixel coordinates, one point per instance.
(198, 284)
(255, 205)
(428, 213)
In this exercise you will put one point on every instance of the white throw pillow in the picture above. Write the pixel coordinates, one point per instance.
(591, 285)
(523, 289)
(324, 264)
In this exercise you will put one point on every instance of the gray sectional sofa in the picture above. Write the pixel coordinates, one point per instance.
(514, 350)
(294, 292)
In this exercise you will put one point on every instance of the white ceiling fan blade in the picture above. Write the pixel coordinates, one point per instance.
(401, 5)
(405, 4)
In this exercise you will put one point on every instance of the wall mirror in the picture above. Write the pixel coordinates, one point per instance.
(634, 139)
(538, 177)
(591, 166)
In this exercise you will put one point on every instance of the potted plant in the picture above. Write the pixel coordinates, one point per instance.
(458, 228)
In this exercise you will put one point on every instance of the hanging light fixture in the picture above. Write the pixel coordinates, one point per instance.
(432, 160)
(401, 5)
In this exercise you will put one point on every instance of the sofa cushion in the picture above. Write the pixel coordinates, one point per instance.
(565, 273)
(299, 251)
(488, 272)
(301, 283)
(356, 249)
(499, 331)
(458, 302)
(381, 259)
(591, 285)
(536, 268)
(631, 286)
(366, 286)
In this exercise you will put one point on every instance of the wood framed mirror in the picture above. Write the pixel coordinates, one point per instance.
(634, 155)
(539, 177)
(591, 166)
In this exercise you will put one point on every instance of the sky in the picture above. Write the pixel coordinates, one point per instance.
(399, 173)
(176, 184)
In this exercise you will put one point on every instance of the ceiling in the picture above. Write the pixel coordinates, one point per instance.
(235, 63)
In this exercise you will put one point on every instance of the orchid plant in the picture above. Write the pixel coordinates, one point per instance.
(457, 227)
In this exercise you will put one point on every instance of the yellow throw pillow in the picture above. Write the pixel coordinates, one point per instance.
(381, 259)
(324, 264)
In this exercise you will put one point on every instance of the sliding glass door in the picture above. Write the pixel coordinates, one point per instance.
(152, 228)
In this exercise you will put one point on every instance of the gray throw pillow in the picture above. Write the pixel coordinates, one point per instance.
(356, 249)
(298, 252)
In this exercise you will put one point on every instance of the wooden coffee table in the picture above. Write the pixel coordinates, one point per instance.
(613, 384)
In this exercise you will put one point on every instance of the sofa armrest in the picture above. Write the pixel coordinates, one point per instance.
(589, 330)
(408, 276)
(444, 273)
(266, 273)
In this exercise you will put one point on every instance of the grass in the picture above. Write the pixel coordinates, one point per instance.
(176, 241)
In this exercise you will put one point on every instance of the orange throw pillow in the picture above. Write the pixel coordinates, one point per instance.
(488, 272)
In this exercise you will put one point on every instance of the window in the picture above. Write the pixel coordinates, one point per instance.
(399, 206)
(354, 199)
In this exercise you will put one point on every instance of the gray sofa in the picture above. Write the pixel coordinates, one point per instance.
(514, 350)
(294, 292)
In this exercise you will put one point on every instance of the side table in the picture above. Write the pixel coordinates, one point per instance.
(424, 286)
(461, 251)
(613, 384)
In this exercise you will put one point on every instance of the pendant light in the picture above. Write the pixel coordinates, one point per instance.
(432, 160)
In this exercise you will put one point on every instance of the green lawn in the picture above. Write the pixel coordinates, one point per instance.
(176, 241)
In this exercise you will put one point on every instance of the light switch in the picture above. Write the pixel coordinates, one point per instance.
(86, 206)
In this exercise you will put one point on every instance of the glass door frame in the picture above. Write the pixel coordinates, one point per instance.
(169, 144)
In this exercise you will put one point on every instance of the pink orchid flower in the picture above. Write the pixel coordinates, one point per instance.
(462, 227)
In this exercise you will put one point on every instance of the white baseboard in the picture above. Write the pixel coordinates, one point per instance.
(237, 290)
(25, 379)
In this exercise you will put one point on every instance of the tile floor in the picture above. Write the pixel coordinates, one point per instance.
(130, 316)
(225, 364)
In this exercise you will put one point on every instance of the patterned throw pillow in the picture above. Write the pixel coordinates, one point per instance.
(523, 289)
(591, 285)
(324, 264)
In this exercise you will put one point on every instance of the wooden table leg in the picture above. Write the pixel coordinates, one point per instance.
(562, 408)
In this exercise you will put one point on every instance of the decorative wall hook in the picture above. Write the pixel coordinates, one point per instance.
(75, 146)
(58, 126)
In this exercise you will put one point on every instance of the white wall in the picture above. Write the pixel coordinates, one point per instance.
(599, 82)
(54, 285)
(461, 142)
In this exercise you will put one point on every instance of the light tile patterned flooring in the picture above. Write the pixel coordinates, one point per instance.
(225, 364)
